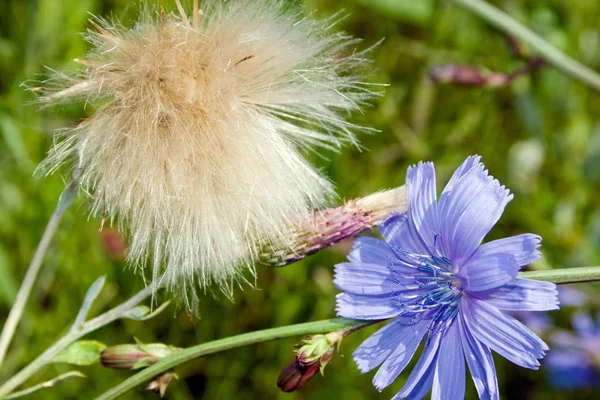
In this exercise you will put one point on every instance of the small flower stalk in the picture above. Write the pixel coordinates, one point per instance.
(311, 358)
(135, 356)
(201, 118)
(464, 75)
(321, 229)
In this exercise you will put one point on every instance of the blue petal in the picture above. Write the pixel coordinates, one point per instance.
(365, 279)
(420, 379)
(369, 250)
(498, 262)
(584, 324)
(407, 338)
(421, 202)
(390, 227)
(465, 167)
(503, 334)
(481, 363)
(365, 307)
(570, 369)
(378, 347)
(449, 378)
(569, 296)
(522, 295)
(469, 208)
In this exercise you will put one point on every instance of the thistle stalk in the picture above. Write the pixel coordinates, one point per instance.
(320, 229)
(560, 276)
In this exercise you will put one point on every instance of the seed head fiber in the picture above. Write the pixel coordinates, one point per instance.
(196, 145)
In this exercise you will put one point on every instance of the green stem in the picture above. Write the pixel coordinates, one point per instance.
(191, 353)
(567, 275)
(64, 202)
(550, 54)
(73, 335)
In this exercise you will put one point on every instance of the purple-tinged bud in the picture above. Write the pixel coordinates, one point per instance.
(295, 375)
(311, 233)
(457, 74)
(469, 76)
(160, 383)
(311, 358)
(135, 356)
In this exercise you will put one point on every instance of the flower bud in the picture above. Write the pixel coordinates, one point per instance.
(457, 74)
(321, 229)
(295, 375)
(135, 356)
(313, 356)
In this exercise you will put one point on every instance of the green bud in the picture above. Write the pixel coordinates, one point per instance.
(135, 356)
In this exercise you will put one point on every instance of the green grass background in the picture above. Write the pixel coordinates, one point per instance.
(540, 137)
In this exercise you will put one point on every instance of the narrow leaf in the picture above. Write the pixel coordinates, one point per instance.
(143, 313)
(88, 300)
(47, 384)
(68, 196)
(82, 352)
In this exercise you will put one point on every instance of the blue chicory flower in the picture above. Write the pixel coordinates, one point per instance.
(433, 277)
(575, 361)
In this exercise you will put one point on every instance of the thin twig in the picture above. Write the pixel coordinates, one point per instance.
(66, 199)
(549, 53)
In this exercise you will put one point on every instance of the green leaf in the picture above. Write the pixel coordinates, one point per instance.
(82, 352)
(88, 300)
(47, 384)
(143, 313)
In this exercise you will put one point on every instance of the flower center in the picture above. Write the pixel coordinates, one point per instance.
(432, 290)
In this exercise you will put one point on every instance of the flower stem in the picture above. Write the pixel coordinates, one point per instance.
(550, 53)
(565, 275)
(73, 335)
(64, 202)
(191, 353)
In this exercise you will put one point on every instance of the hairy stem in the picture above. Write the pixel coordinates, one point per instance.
(74, 335)
(191, 353)
(550, 53)
(64, 202)
(567, 275)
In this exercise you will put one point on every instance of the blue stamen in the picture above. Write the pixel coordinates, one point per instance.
(436, 292)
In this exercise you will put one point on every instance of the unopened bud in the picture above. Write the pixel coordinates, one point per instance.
(457, 74)
(311, 358)
(135, 356)
(295, 375)
(160, 383)
(321, 229)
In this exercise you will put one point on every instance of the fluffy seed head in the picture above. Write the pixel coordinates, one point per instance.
(195, 144)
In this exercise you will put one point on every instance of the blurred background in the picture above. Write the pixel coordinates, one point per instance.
(539, 134)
